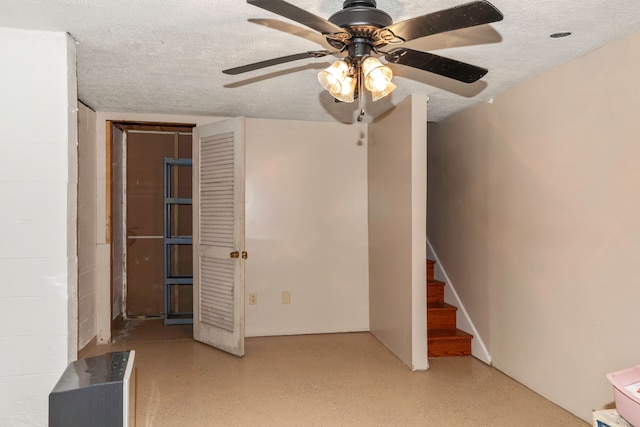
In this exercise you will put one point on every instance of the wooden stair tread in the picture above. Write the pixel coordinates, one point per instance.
(448, 334)
(443, 338)
(435, 291)
(437, 306)
(441, 315)
(430, 269)
(448, 342)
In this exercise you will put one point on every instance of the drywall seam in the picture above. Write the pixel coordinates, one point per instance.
(478, 349)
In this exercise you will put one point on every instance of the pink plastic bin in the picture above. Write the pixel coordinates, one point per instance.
(626, 393)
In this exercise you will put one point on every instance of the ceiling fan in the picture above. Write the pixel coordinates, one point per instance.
(364, 32)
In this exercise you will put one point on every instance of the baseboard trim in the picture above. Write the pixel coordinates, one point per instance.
(478, 349)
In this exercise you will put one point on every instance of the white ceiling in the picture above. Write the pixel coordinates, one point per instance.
(166, 56)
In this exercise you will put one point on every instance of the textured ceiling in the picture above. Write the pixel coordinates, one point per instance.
(166, 56)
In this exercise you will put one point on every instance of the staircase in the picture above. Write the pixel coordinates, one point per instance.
(444, 339)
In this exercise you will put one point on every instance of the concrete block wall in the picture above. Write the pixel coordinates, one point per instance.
(38, 181)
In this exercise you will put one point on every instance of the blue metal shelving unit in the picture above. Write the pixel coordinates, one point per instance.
(171, 278)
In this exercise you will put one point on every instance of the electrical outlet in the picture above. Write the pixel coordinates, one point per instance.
(253, 298)
(286, 297)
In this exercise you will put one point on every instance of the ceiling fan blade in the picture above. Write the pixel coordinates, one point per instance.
(276, 61)
(297, 14)
(446, 67)
(455, 18)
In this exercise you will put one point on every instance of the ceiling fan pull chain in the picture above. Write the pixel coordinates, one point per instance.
(360, 94)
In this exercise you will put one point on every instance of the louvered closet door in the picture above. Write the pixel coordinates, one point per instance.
(218, 235)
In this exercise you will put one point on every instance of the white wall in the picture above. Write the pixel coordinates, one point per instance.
(397, 230)
(534, 214)
(306, 227)
(87, 201)
(38, 181)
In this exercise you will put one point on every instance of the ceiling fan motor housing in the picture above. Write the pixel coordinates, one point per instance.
(360, 13)
(361, 19)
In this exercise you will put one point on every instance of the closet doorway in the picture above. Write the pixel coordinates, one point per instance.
(137, 226)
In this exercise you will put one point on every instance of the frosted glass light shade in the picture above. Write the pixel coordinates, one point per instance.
(377, 78)
(377, 94)
(332, 78)
(348, 89)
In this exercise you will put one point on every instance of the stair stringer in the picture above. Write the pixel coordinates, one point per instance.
(463, 320)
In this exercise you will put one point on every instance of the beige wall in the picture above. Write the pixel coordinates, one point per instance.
(534, 214)
(306, 227)
(397, 230)
(87, 245)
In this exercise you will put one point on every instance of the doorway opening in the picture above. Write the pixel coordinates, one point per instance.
(140, 221)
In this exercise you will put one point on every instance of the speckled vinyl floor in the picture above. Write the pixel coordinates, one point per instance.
(318, 380)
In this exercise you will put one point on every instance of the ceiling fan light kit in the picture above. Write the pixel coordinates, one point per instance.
(360, 32)
(341, 79)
